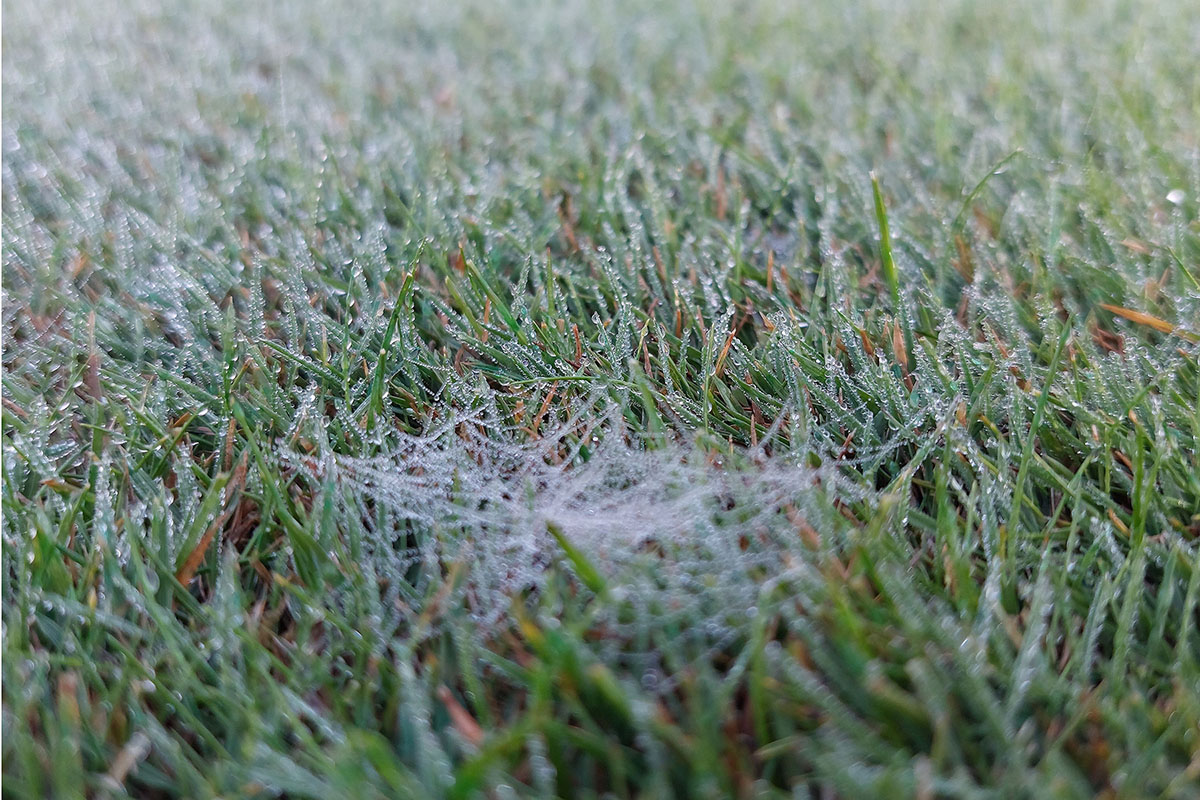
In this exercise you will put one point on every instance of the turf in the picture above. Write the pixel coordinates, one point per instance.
(695, 400)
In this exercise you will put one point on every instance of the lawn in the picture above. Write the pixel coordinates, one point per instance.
(694, 399)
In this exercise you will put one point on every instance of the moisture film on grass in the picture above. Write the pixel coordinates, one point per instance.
(601, 400)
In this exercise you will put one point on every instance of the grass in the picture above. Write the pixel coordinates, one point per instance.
(706, 400)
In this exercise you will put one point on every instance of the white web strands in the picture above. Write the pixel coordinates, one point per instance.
(684, 538)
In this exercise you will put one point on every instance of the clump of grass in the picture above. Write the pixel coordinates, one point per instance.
(597, 401)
